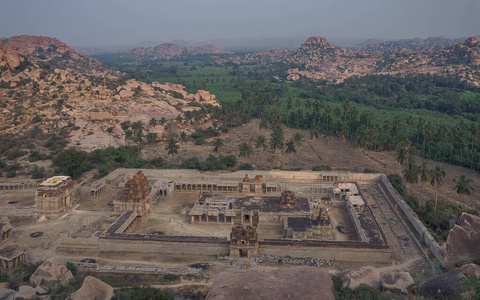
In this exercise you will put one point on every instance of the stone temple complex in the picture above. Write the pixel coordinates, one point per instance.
(232, 219)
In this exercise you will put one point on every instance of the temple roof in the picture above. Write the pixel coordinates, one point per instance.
(136, 189)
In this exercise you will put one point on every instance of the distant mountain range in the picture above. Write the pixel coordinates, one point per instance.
(252, 45)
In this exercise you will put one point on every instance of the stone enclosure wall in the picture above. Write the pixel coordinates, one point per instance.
(420, 229)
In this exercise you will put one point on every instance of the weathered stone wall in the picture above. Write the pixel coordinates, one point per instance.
(328, 252)
(164, 247)
(422, 231)
(300, 176)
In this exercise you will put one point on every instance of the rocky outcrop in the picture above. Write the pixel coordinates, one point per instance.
(317, 41)
(50, 273)
(295, 74)
(364, 275)
(58, 54)
(93, 288)
(416, 44)
(291, 283)
(396, 281)
(26, 292)
(334, 64)
(450, 283)
(7, 294)
(9, 58)
(203, 97)
(463, 242)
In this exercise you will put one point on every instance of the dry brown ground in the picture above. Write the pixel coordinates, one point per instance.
(334, 152)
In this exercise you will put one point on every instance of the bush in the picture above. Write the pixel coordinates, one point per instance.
(72, 162)
(171, 277)
(37, 172)
(191, 163)
(157, 162)
(22, 274)
(72, 268)
(143, 292)
(245, 166)
(36, 156)
(321, 168)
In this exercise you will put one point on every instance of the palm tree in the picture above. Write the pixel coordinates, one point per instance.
(402, 156)
(218, 146)
(245, 150)
(463, 187)
(183, 137)
(261, 142)
(424, 173)
(172, 146)
(314, 132)
(276, 140)
(153, 122)
(327, 137)
(137, 129)
(410, 175)
(297, 138)
(110, 131)
(437, 177)
(290, 147)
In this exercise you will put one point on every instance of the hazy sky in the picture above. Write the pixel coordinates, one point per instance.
(118, 22)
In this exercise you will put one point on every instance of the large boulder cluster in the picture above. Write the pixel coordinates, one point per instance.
(371, 276)
(463, 242)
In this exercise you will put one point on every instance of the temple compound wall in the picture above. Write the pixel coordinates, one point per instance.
(54, 196)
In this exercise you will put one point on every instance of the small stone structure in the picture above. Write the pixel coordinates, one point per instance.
(5, 231)
(306, 228)
(136, 196)
(54, 196)
(243, 242)
(288, 199)
(255, 185)
(11, 257)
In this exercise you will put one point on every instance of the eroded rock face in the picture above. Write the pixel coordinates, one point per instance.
(315, 41)
(365, 275)
(463, 242)
(396, 281)
(291, 283)
(26, 292)
(93, 288)
(48, 274)
(7, 294)
(450, 283)
(202, 97)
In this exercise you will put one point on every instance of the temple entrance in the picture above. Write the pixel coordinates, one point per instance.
(243, 253)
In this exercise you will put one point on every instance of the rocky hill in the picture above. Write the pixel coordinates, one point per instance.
(47, 85)
(416, 44)
(52, 52)
(169, 51)
(321, 60)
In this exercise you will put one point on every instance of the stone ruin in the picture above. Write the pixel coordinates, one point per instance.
(306, 229)
(243, 242)
(54, 196)
(253, 185)
(136, 196)
(288, 199)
